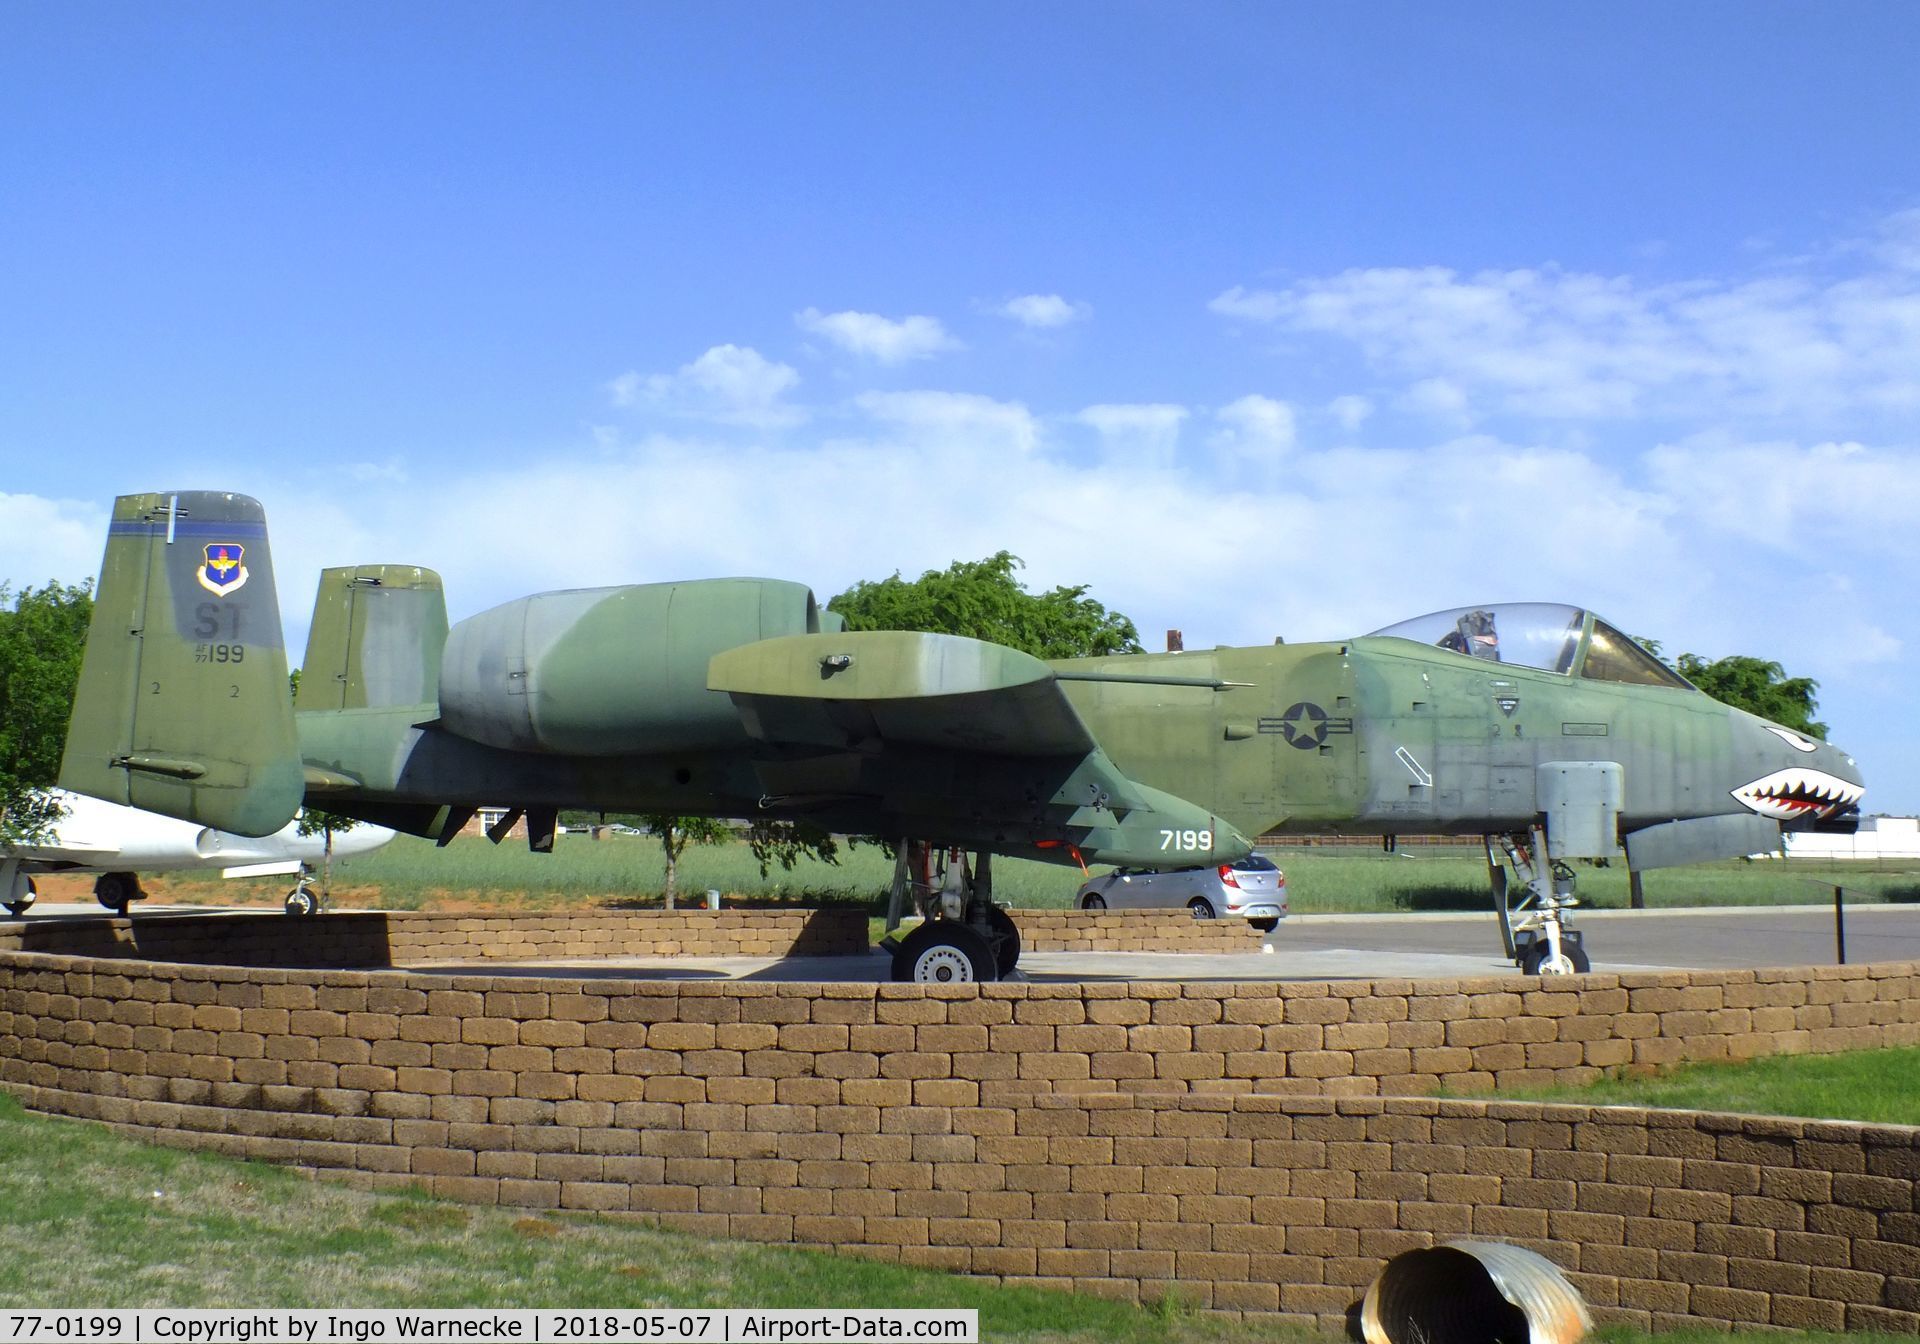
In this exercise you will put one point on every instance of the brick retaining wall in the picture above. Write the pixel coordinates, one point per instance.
(1132, 931)
(387, 938)
(1116, 1137)
(348, 939)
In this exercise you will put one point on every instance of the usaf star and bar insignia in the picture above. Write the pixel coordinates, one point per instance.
(1305, 725)
(223, 570)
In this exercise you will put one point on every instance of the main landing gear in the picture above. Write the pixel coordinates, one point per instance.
(963, 935)
(1533, 896)
(17, 891)
(117, 891)
(303, 900)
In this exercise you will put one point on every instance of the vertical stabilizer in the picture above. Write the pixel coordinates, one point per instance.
(376, 639)
(183, 706)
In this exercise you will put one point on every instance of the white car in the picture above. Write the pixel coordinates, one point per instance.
(1253, 889)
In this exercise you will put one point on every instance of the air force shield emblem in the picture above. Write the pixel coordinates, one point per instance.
(223, 572)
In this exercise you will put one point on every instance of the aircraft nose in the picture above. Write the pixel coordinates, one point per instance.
(1796, 777)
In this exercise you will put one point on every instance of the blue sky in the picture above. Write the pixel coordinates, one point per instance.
(1258, 319)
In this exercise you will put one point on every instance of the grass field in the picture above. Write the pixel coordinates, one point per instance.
(96, 1220)
(1876, 1086)
(411, 874)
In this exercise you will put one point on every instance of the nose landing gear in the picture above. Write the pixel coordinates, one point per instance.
(1533, 896)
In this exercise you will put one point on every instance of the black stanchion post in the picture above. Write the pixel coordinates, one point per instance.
(1839, 928)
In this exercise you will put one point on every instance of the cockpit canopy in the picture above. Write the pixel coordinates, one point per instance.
(1543, 635)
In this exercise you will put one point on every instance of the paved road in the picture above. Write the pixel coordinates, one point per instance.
(1335, 947)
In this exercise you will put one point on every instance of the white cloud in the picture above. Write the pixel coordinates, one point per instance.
(963, 419)
(1253, 305)
(1255, 428)
(1438, 399)
(1044, 310)
(1350, 411)
(1140, 434)
(1564, 344)
(729, 384)
(879, 338)
(390, 470)
(44, 540)
(1821, 501)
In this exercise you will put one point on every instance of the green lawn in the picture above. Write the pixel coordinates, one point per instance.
(97, 1220)
(411, 873)
(1877, 1086)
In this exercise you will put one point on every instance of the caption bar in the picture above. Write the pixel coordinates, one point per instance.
(656, 1326)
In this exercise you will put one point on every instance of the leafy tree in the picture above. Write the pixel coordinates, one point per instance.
(42, 634)
(1759, 687)
(983, 599)
(676, 833)
(788, 842)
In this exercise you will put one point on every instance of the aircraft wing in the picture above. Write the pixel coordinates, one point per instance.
(949, 736)
(56, 854)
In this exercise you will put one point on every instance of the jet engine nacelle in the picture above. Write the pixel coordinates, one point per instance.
(612, 671)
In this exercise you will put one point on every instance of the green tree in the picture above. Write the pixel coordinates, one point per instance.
(42, 634)
(675, 834)
(788, 842)
(1759, 687)
(983, 599)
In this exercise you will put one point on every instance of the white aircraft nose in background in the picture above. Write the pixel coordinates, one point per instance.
(118, 842)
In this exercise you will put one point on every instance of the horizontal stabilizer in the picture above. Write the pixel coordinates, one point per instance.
(890, 687)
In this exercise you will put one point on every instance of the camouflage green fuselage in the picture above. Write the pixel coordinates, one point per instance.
(741, 698)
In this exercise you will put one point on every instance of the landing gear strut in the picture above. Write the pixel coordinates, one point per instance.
(1533, 896)
(963, 936)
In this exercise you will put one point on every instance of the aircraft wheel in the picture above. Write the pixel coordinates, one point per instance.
(117, 891)
(24, 895)
(1573, 960)
(943, 952)
(1094, 903)
(1005, 940)
(1200, 908)
(1265, 925)
(302, 901)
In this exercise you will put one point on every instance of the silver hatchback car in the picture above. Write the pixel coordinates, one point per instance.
(1252, 888)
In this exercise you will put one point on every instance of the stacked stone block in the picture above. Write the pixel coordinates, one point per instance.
(1255, 1146)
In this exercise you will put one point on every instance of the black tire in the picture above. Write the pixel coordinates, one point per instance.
(302, 901)
(1536, 957)
(1265, 925)
(1093, 903)
(117, 891)
(1005, 941)
(25, 903)
(944, 952)
(1201, 908)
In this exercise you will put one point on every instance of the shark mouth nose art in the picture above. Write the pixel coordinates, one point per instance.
(1794, 793)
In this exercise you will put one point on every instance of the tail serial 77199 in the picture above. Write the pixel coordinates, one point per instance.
(1537, 726)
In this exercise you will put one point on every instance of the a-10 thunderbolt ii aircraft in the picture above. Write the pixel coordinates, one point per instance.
(1540, 727)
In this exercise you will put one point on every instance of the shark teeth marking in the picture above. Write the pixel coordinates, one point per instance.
(1796, 793)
